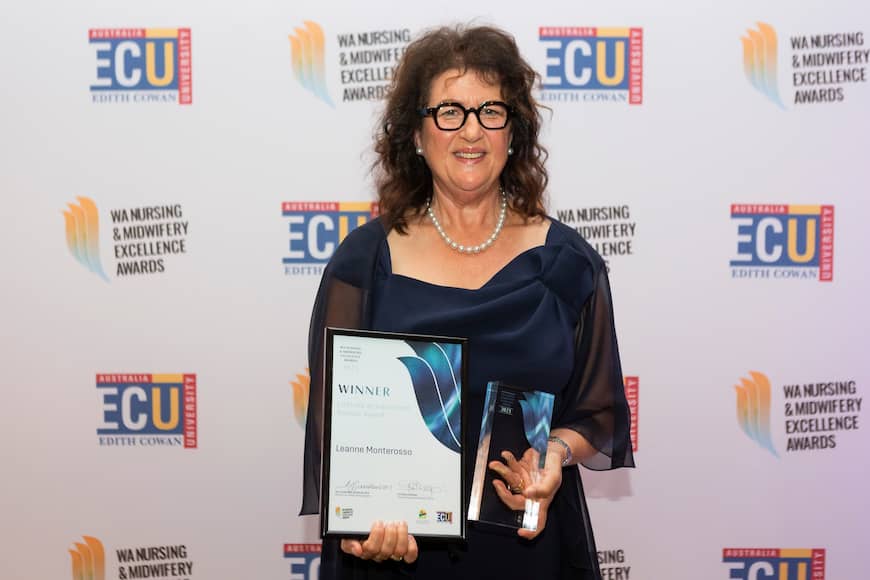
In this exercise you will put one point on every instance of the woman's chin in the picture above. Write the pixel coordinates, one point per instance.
(474, 187)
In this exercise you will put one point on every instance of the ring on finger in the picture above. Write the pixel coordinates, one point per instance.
(397, 558)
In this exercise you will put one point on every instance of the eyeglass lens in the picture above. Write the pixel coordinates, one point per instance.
(453, 116)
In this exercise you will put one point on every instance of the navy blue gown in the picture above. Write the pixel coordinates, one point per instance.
(544, 321)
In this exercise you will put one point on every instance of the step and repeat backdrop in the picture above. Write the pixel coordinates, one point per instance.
(175, 176)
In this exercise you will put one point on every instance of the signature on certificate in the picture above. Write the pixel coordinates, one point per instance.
(417, 488)
(361, 488)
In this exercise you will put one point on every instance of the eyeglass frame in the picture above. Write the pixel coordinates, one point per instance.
(430, 112)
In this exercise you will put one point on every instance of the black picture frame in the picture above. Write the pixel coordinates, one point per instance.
(327, 439)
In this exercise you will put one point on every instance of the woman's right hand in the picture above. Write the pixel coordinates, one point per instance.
(390, 540)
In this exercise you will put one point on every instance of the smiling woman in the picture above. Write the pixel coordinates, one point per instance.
(464, 248)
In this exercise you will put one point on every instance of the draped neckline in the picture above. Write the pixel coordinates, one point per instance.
(387, 266)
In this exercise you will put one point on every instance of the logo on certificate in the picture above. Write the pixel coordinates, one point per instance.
(444, 517)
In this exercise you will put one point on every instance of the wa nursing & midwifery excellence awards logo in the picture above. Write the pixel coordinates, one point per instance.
(316, 228)
(141, 65)
(155, 562)
(822, 67)
(592, 64)
(147, 410)
(815, 414)
(365, 61)
(142, 238)
(783, 241)
(609, 229)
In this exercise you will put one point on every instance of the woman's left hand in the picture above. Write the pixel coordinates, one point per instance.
(526, 481)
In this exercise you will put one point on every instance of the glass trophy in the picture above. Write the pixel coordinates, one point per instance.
(515, 420)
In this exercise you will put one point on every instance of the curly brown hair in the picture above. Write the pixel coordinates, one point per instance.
(403, 180)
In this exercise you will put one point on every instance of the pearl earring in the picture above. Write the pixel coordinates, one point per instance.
(510, 150)
(419, 150)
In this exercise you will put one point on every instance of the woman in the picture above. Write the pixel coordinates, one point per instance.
(463, 247)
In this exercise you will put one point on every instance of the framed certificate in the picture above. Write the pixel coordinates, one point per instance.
(392, 436)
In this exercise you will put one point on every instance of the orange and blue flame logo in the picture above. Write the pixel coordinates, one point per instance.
(83, 234)
(759, 61)
(753, 409)
(308, 59)
(88, 560)
(301, 388)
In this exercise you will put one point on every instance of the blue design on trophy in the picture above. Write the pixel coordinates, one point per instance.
(435, 373)
(537, 409)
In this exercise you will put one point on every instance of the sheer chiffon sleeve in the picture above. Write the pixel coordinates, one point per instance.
(593, 403)
(342, 302)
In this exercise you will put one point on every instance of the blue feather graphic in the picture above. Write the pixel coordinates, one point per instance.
(435, 373)
(537, 411)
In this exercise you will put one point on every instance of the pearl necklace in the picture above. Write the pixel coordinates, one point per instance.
(469, 249)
